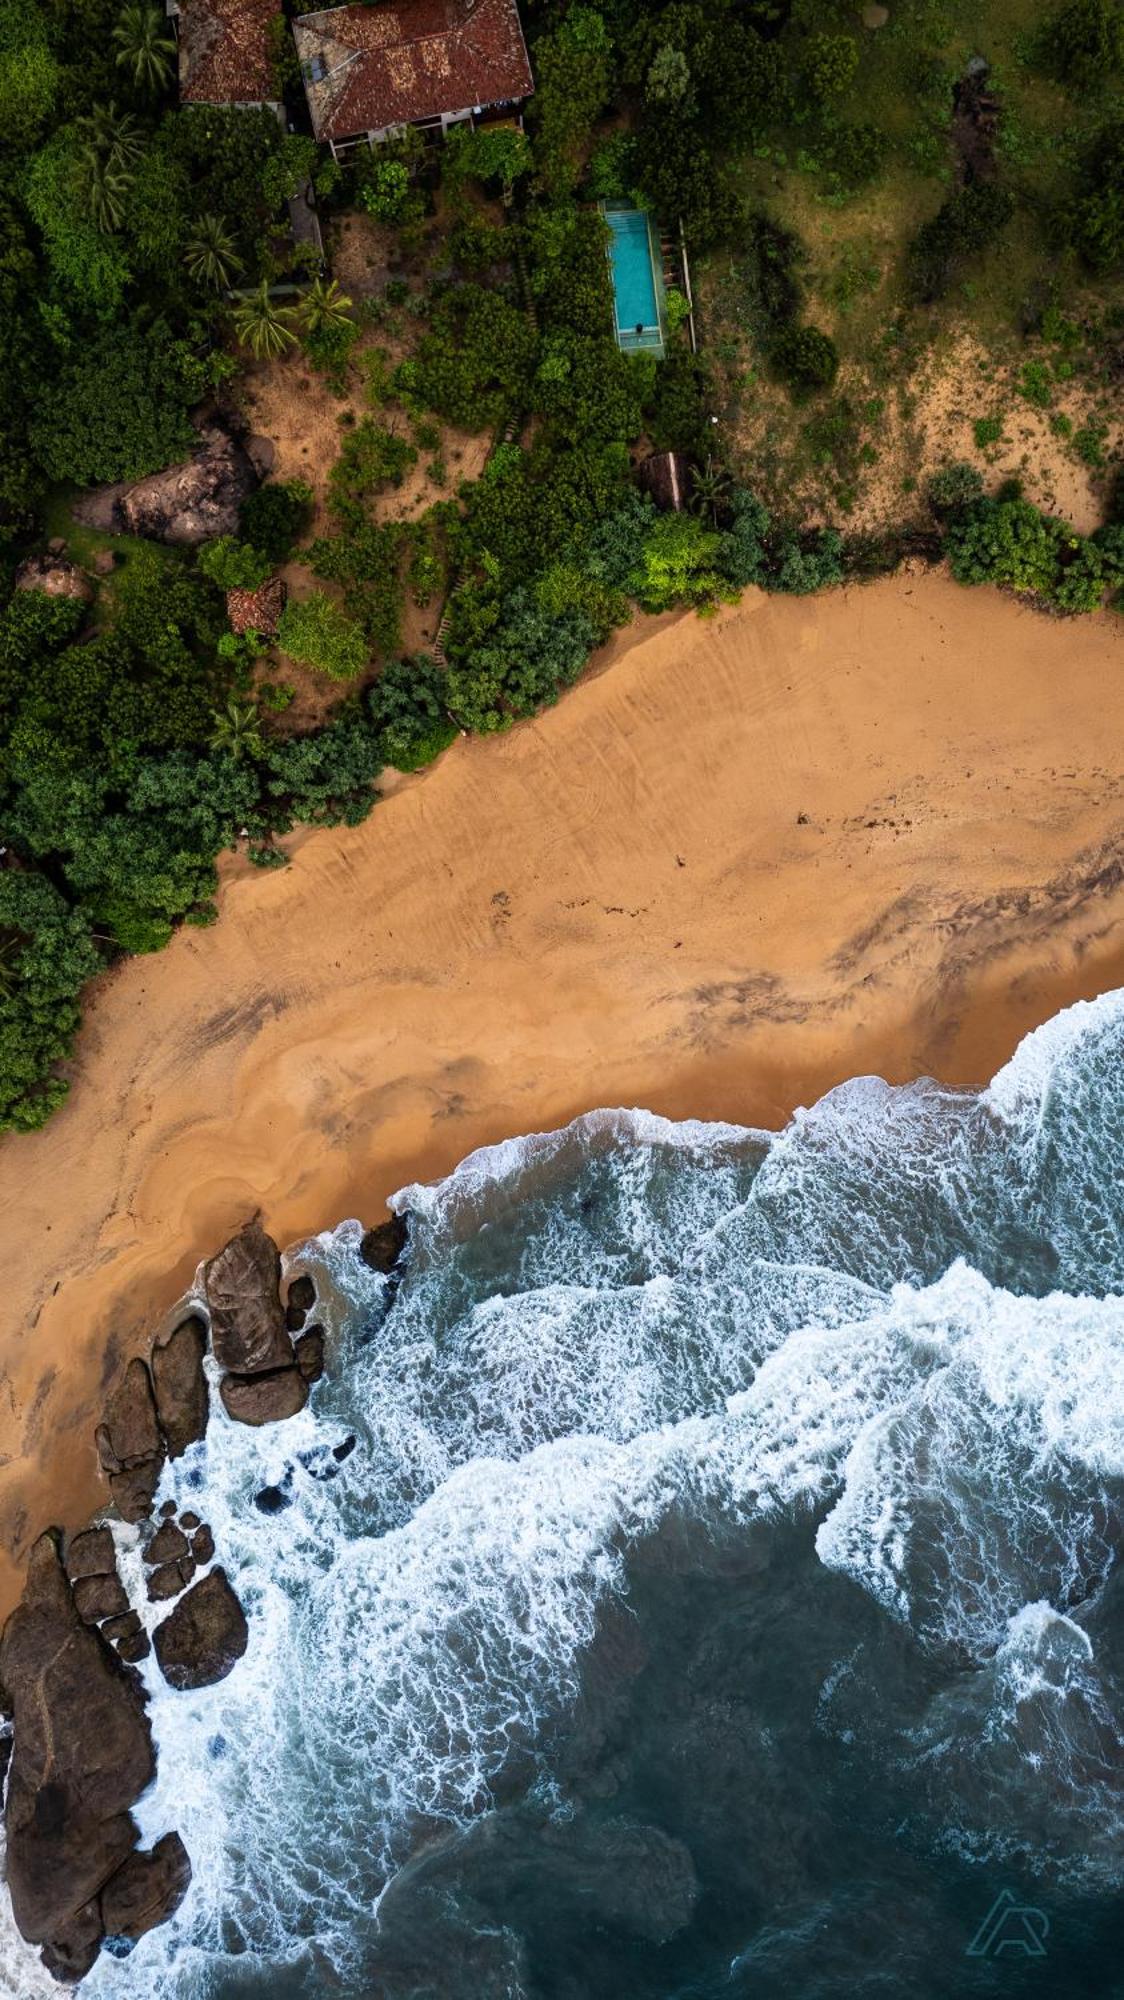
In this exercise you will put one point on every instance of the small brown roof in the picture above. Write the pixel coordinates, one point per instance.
(665, 476)
(256, 610)
(224, 51)
(368, 67)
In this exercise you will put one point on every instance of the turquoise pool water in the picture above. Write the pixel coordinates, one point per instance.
(634, 283)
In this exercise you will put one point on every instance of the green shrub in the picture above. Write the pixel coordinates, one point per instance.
(275, 517)
(1034, 385)
(968, 222)
(1084, 42)
(955, 485)
(1096, 216)
(987, 431)
(232, 565)
(407, 707)
(829, 64)
(316, 633)
(806, 359)
(46, 955)
(1008, 542)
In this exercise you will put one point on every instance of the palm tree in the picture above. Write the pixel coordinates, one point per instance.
(710, 489)
(265, 328)
(111, 135)
(106, 192)
(324, 305)
(237, 730)
(211, 256)
(144, 46)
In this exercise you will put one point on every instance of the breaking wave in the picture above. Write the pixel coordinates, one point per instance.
(705, 1554)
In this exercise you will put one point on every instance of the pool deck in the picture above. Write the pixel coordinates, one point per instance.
(649, 334)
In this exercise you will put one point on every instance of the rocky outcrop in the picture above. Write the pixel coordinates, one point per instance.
(249, 1337)
(243, 1286)
(130, 1443)
(264, 1399)
(204, 1637)
(98, 1597)
(82, 1756)
(179, 1384)
(299, 1301)
(202, 1543)
(91, 1553)
(382, 1247)
(53, 575)
(186, 504)
(310, 1353)
(146, 1890)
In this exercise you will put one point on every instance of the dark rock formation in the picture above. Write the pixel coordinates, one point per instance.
(91, 1553)
(179, 1384)
(264, 1399)
(130, 1444)
(169, 1579)
(202, 1544)
(299, 1302)
(147, 1890)
(83, 1755)
(168, 1544)
(134, 1647)
(189, 1521)
(382, 1247)
(125, 1627)
(186, 504)
(243, 1293)
(97, 1597)
(204, 1636)
(53, 575)
(310, 1353)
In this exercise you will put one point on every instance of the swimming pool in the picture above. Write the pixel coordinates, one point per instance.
(636, 288)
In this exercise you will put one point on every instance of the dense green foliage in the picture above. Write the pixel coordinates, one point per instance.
(138, 736)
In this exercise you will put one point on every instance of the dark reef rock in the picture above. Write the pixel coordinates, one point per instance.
(202, 1543)
(189, 1521)
(124, 1627)
(179, 1384)
(91, 1553)
(205, 1635)
(169, 1579)
(299, 1302)
(272, 1500)
(184, 505)
(83, 1755)
(168, 1544)
(130, 1444)
(243, 1293)
(382, 1247)
(98, 1597)
(264, 1399)
(134, 1647)
(310, 1353)
(147, 1889)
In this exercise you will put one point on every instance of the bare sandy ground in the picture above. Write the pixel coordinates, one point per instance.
(879, 830)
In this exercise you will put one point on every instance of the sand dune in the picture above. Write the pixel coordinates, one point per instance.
(877, 830)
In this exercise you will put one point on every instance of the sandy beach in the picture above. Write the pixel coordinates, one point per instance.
(878, 830)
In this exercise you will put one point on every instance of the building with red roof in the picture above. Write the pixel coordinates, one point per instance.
(371, 70)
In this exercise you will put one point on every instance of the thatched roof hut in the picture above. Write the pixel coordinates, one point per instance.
(257, 610)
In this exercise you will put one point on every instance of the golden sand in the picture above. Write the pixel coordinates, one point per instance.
(877, 830)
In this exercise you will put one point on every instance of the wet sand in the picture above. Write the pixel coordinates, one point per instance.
(880, 830)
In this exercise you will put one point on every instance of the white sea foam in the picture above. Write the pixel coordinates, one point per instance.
(601, 1331)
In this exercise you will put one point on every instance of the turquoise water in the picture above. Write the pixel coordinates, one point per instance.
(633, 279)
(697, 1581)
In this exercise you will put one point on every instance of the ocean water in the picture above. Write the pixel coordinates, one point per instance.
(697, 1578)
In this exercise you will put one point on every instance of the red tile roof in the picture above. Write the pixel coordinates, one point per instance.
(367, 67)
(257, 610)
(224, 51)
